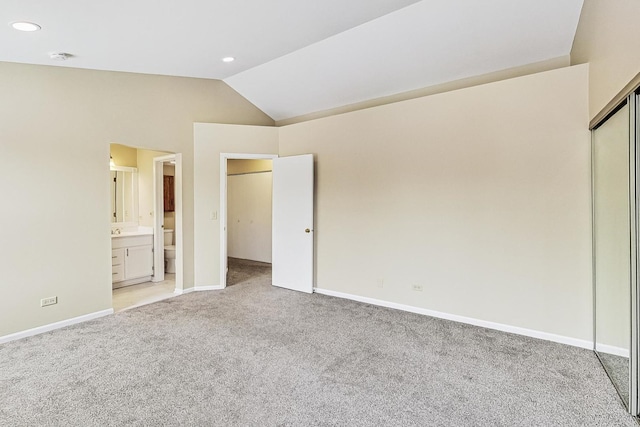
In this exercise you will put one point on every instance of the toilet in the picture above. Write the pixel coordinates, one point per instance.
(169, 252)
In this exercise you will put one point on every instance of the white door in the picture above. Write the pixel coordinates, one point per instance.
(292, 257)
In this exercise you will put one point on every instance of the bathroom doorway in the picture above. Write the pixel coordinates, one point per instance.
(134, 242)
(167, 214)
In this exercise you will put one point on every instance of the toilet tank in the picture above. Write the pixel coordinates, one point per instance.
(168, 237)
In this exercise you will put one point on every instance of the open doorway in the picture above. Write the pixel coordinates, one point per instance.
(292, 200)
(246, 226)
(167, 219)
(138, 276)
(249, 220)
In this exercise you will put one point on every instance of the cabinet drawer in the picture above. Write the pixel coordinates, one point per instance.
(117, 273)
(117, 256)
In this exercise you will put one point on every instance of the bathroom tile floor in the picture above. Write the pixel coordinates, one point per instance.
(144, 293)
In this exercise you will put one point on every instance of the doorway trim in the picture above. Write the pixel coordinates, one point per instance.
(223, 205)
(158, 218)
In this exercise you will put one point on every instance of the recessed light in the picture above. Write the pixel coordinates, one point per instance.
(228, 59)
(25, 26)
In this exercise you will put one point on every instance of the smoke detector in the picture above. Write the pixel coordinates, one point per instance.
(60, 56)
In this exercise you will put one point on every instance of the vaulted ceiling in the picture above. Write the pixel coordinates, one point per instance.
(294, 57)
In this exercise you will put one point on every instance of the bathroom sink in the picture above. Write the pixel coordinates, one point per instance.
(142, 231)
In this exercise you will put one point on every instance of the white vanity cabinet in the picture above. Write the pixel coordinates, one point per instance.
(131, 259)
(117, 265)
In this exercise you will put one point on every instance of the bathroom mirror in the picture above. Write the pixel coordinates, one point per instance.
(124, 194)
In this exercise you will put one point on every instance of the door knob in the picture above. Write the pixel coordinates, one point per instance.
(307, 230)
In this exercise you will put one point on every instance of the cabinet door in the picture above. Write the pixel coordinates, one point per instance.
(138, 262)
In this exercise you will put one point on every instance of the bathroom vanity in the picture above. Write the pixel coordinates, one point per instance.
(131, 258)
(131, 245)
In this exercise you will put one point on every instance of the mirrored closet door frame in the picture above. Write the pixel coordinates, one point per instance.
(630, 396)
(632, 100)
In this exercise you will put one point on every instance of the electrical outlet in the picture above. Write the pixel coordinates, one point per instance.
(380, 283)
(48, 301)
(417, 288)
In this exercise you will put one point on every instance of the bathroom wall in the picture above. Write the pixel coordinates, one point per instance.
(145, 185)
(143, 160)
(124, 156)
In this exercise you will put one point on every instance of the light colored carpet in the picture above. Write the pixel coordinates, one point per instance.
(255, 355)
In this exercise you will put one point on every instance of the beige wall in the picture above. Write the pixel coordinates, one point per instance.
(210, 140)
(608, 38)
(56, 127)
(481, 196)
(124, 156)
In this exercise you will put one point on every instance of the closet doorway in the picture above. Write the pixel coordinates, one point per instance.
(246, 222)
(615, 242)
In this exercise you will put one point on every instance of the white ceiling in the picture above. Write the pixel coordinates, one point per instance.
(295, 56)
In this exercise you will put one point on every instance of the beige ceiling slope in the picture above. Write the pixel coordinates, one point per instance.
(427, 43)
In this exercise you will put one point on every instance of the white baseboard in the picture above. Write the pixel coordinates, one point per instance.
(56, 325)
(609, 349)
(209, 288)
(198, 289)
(468, 320)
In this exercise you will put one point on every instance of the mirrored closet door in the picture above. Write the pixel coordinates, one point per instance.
(614, 251)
